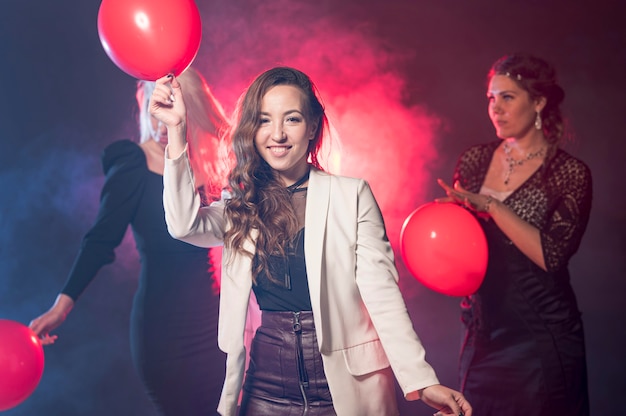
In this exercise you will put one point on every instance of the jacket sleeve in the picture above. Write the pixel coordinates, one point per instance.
(187, 220)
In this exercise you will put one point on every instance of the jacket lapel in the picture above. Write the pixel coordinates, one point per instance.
(317, 202)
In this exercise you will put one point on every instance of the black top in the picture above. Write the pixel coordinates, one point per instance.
(290, 289)
(556, 199)
(131, 195)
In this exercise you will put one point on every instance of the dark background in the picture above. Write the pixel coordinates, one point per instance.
(414, 66)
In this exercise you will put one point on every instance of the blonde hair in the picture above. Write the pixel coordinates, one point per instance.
(206, 128)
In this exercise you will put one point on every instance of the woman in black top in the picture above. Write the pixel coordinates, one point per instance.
(312, 246)
(175, 309)
(524, 350)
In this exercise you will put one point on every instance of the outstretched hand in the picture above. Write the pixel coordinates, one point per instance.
(448, 402)
(52, 319)
(476, 202)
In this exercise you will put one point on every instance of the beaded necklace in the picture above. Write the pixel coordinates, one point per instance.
(518, 162)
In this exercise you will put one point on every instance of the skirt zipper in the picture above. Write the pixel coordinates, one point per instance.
(303, 376)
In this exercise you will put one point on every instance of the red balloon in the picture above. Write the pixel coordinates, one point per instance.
(149, 39)
(21, 363)
(445, 248)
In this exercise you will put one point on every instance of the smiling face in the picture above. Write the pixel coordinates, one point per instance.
(511, 109)
(283, 136)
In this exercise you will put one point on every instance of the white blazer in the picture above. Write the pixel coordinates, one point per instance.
(362, 324)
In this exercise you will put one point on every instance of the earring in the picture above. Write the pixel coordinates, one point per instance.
(538, 123)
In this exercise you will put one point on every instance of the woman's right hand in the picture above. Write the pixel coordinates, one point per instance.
(448, 402)
(478, 203)
(167, 106)
(166, 102)
(52, 319)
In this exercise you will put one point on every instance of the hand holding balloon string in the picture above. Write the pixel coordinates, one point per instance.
(166, 103)
(478, 203)
(168, 106)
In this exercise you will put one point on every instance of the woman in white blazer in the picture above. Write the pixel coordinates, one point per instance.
(334, 329)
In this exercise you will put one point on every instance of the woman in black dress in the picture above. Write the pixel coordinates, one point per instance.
(175, 309)
(524, 350)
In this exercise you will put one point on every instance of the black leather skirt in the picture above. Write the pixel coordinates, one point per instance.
(286, 376)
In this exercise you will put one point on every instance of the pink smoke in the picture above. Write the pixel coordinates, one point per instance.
(382, 139)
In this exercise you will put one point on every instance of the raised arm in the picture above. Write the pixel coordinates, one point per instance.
(168, 106)
(186, 219)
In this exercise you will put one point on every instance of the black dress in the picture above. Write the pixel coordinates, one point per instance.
(524, 350)
(175, 309)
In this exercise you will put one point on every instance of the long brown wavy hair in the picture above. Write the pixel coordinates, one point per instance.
(538, 78)
(259, 201)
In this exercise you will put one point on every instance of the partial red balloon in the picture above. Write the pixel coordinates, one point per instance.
(444, 247)
(149, 39)
(21, 363)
